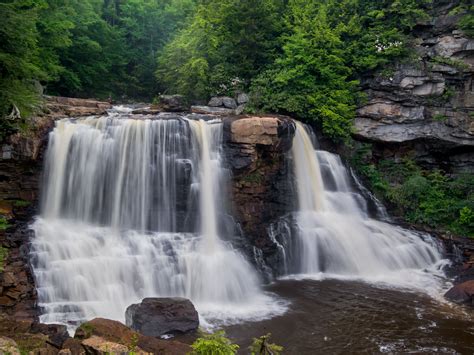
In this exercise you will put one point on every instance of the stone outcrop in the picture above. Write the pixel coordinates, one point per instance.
(99, 331)
(160, 316)
(462, 293)
(32, 336)
(72, 107)
(426, 105)
(256, 149)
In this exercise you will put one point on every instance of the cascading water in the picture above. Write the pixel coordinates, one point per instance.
(334, 235)
(130, 210)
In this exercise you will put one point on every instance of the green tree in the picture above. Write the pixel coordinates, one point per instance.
(226, 41)
(20, 67)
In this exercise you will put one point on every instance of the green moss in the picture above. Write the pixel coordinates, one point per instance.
(87, 328)
(254, 177)
(21, 203)
(439, 117)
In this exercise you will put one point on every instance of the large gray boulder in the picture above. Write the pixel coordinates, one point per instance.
(159, 316)
(229, 102)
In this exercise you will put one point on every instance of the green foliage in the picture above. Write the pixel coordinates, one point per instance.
(214, 344)
(20, 65)
(3, 223)
(431, 198)
(3, 257)
(261, 346)
(227, 41)
(326, 46)
(456, 63)
(467, 21)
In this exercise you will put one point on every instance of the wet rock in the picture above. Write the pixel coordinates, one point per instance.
(462, 293)
(159, 316)
(229, 102)
(116, 332)
(172, 103)
(8, 346)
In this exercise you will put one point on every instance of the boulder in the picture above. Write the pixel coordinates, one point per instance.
(229, 102)
(172, 103)
(159, 316)
(462, 293)
(215, 102)
(117, 332)
(242, 98)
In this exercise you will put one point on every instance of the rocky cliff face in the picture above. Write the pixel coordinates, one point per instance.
(425, 106)
(256, 149)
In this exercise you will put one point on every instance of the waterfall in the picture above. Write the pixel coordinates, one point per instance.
(334, 235)
(130, 209)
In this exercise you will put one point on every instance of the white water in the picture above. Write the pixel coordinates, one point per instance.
(130, 210)
(335, 236)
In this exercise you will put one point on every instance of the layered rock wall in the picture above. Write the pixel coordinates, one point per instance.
(424, 107)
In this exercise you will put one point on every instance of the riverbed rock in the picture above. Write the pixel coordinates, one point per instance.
(117, 332)
(159, 316)
(462, 293)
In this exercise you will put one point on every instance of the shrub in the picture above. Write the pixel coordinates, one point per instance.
(214, 344)
(261, 346)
